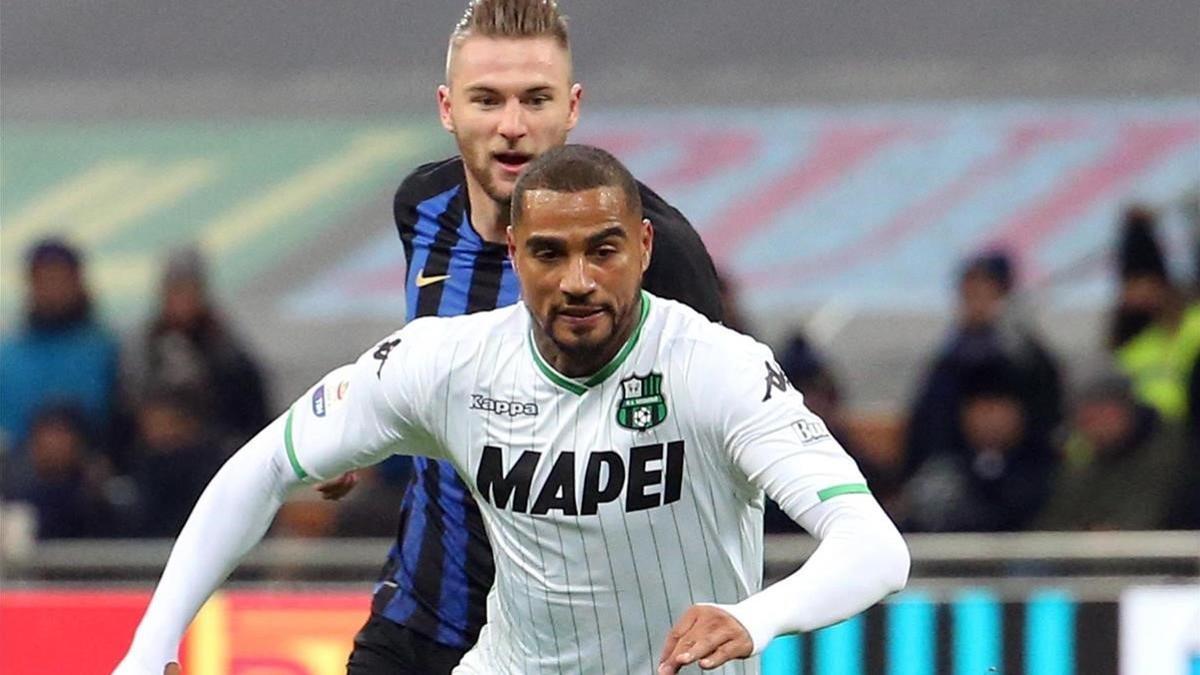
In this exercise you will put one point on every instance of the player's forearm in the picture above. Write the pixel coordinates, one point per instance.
(861, 559)
(230, 517)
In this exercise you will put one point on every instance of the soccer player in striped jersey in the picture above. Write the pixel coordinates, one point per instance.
(508, 97)
(619, 446)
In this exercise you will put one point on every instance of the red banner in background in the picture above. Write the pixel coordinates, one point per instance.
(236, 633)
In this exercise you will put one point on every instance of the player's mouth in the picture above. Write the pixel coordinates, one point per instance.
(580, 317)
(512, 163)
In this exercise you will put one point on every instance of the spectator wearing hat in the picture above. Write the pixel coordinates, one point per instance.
(997, 476)
(62, 355)
(189, 347)
(988, 329)
(1124, 466)
(1155, 331)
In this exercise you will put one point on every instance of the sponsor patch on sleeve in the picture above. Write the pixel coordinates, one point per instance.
(812, 430)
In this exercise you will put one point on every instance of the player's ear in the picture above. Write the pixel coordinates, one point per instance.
(573, 100)
(443, 103)
(647, 243)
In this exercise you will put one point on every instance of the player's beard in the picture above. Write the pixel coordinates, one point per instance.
(593, 351)
(481, 169)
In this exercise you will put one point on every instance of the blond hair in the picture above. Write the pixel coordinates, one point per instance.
(509, 19)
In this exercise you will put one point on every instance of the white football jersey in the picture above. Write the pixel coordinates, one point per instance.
(613, 502)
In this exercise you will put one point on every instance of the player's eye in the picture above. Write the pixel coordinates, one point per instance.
(537, 101)
(604, 252)
(546, 254)
(486, 101)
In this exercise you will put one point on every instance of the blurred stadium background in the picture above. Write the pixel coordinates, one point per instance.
(841, 160)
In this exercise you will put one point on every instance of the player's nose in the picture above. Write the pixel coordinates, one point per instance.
(512, 121)
(577, 280)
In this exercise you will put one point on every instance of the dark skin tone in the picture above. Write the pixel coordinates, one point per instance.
(580, 258)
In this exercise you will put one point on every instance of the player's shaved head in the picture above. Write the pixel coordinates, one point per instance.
(576, 168)
(509, 19)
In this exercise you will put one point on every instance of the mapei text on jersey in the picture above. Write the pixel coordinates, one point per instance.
(653, 476)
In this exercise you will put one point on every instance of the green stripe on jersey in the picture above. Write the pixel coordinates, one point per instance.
(291, 449)
(579, 388)
(847, 489)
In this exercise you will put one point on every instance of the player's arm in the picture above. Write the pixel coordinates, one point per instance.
(355, 416)
(787, 451)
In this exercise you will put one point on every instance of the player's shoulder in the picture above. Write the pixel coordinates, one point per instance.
(466, 333)
(680, 328)
(668, 221)
(430, 180)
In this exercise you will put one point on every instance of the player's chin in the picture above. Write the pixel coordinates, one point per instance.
(503, 183)
(577, 338)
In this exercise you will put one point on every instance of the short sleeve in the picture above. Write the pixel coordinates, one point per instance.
(780, 446)
(360, 414)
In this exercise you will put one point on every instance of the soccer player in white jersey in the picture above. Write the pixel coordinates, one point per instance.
(618, 444)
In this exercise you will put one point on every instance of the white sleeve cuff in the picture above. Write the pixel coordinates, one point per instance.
(861, 560)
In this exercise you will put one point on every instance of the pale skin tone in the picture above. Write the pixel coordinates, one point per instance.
(506, 101)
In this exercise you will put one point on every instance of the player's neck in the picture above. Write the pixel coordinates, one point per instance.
(589, 362)
(488, 217)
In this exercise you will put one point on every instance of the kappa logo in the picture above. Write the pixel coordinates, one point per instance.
(510, 408)
(381, 354)
(775, 380)
(642, 404)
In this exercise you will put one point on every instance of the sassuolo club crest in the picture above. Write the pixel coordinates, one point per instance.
(642, 404)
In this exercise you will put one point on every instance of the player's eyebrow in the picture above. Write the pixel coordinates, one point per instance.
(476, 89)
(612, 231)
(543, 241)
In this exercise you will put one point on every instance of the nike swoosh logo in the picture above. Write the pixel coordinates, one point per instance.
(423, 281)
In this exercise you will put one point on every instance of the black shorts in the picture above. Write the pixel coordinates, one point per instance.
(384, 647)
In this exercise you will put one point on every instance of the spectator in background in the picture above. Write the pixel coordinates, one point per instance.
(189, 347)
(988, 329)
(1186, 513)
(61, 476)
(175, 457)
(997, 476)
(1123, 465)
(1156, 330)
(62, 354)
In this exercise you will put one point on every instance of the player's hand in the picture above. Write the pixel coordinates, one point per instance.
(335, 489)
(705, 634)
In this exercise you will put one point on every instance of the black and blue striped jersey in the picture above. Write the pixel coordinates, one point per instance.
(440, 569)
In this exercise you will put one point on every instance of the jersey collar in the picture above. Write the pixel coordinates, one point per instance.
(579, 386)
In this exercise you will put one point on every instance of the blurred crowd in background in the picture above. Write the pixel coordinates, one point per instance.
(109, 437)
